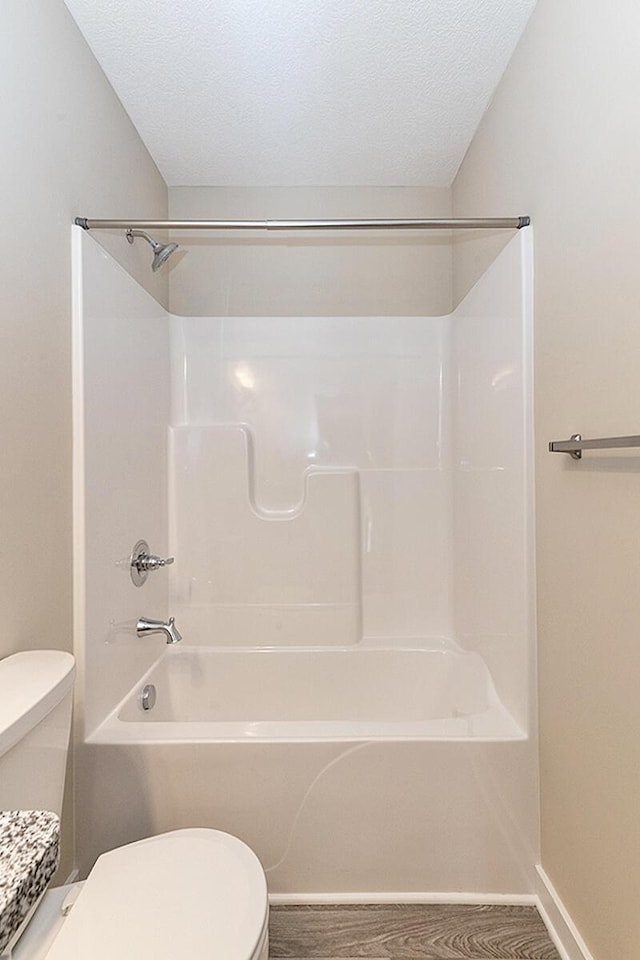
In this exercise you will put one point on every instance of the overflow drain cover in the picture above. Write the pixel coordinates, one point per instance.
(148, 697)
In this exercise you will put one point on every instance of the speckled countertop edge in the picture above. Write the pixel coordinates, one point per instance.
(29, 854)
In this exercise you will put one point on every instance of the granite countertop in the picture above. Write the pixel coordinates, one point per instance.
(29, 854)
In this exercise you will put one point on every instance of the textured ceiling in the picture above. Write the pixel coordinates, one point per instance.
(304, 92)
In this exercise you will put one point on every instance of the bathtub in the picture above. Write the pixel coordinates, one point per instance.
(357, 773)
(306, 694)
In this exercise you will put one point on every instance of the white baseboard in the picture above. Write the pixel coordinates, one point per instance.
(561, 927)
(525, 899)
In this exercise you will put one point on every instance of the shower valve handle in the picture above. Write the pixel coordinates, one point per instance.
(143, 563)
(151, 562)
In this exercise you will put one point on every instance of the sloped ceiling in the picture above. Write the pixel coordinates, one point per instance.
(304, 92)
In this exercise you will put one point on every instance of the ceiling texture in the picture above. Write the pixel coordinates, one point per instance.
(304, 92)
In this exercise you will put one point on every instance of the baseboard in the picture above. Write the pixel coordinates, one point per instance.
(523, 899)
(561, 927)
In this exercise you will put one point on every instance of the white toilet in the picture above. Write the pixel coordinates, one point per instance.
(198, 894)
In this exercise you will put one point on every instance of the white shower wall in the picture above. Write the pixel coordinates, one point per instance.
(324, 514)
(492, 417)
(120, 413)
(335, 478)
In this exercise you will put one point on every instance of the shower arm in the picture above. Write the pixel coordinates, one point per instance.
(487, 223)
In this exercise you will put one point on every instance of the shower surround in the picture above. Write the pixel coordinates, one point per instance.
(349, 501)
(331, 519)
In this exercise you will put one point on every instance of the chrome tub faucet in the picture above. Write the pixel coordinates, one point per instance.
(146, 627)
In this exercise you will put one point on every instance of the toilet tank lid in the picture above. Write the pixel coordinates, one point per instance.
(32, 683)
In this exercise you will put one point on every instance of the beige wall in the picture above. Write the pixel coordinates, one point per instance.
(561, 141)
(68, 148)
(317, 274)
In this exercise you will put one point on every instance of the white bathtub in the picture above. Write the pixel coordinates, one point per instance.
(308, 694)
(360, 772)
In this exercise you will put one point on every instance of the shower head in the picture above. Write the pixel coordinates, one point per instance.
(161, 251)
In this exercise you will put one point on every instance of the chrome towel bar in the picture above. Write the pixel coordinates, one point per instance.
(575, 445)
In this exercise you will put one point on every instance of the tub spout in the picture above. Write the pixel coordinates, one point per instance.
(146, 627)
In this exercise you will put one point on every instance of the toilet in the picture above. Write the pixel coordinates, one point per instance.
(193, 893)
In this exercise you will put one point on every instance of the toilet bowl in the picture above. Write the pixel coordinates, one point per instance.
(194, 893)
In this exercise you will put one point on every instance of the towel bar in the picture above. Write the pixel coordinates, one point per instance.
(575, 445)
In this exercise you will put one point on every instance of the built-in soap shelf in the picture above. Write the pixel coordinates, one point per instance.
(237, 440)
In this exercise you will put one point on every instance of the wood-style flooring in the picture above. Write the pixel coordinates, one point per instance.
(406, 931)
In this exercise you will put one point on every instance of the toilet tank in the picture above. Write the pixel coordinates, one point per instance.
(36, 693)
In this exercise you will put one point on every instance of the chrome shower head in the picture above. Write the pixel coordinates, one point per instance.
(161, 251)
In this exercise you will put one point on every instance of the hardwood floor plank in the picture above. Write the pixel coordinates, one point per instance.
(409, 932)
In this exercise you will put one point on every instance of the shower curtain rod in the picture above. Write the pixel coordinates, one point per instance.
(513, 223)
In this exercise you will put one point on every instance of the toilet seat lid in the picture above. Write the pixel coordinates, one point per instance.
(194, 893)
